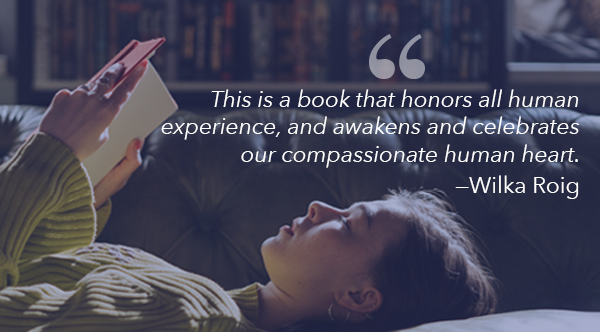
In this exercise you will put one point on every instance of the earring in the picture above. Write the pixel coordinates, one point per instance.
(369, 316)
(330, 312)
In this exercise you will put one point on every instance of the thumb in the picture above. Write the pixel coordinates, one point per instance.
(119, 175)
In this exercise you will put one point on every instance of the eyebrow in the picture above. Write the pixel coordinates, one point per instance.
(367, 213)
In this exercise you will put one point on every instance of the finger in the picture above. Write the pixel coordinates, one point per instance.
(133, 158)
(108, 79)
(119, 96)
(84, 87)
(59, 97)
(54, 112)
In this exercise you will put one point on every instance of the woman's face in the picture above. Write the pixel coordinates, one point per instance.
(330, 249)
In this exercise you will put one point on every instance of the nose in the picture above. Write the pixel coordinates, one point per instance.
(319, 212)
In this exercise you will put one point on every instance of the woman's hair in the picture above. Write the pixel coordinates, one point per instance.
(437, 273)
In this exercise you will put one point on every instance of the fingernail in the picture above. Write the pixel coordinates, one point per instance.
(139, 69)
(138, 144)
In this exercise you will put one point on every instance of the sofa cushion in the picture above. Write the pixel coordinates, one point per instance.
(527, 320)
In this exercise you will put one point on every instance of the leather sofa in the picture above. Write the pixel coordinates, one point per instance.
(195, 203)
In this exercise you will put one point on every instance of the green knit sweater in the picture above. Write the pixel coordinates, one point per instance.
(53, 279)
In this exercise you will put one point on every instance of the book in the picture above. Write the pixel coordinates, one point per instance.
(148, 106)
(319, 46)
(262, 36)
(263, 40)
(357, 38)
(131, 55)
(446, 45)
(411, 23)
(388, 22)
(465, 40)
(101, 34)
(128, 13)
(113, 27)
(157, 26)
(80, 39)
(284, 45)
(427, 42)
(371, 36)
(228, 61)
(302, 38)
(216, 39)
(68, 51)
(171, 32)
(201, 48)
(89, 55)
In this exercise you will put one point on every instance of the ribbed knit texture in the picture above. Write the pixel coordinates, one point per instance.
(52, 279)
(247, 300)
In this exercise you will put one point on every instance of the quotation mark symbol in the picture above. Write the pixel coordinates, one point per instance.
(384, 68)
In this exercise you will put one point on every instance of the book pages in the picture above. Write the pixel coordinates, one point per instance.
(148, 106)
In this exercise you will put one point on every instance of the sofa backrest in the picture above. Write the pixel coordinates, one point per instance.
(196, 203)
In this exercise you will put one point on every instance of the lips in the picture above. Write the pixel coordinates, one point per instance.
(288, 230)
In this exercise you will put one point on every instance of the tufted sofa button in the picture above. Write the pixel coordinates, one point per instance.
(16, 124)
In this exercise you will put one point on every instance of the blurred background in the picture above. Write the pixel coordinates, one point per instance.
(469, 47)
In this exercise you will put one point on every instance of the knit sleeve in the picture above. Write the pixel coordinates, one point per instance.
(110, 287)
(45, 204)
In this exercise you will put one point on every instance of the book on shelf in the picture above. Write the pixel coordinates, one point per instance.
(302, 37)
(98, 33)
(427, 41)
(357, 37)
(188, 30)
(319, 43)
(285, 50)
(228, 56)
(262, 36)
(264, 40)
(388, 23)
(200, 69)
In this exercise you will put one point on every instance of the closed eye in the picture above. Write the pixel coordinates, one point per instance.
(345, 222)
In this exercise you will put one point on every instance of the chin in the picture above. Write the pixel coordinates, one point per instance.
(266, 252)
(266, 243)
(271, 252)
(266, 248)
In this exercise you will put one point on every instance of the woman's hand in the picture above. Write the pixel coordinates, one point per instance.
(80, 118)
(116, 179)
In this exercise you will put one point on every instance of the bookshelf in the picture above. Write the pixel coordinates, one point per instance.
(321, 31)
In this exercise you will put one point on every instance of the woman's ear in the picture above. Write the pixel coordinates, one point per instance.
(362, 300)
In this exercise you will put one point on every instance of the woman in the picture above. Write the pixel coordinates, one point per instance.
(375, 266)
